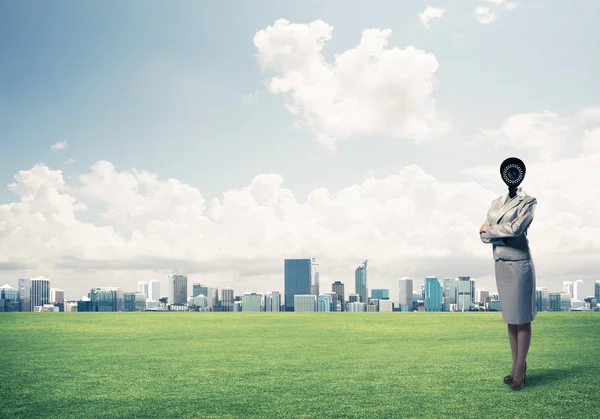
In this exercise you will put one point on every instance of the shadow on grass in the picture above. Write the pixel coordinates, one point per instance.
(546, 376)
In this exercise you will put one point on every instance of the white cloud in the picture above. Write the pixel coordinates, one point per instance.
(59, 146)
(70, 161)
(487, 14)
(408, 223)
(429, 14)
(546, 133)
(367, 90)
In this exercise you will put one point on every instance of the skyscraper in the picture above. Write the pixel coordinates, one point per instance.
(568, 287)
(597, 291)
(473, 291)
(464, 293)
(143, 287)
(297, 280)
(40, 291)
(178, 289)
(338, 288)
(578, 290)
(360, 282)
(449, 293)
(25, 294)
(57, 295)
(380, 294)
(273, 301)
(433, 294)
(228, 298)
(405, 293)
(154, 290)
(314, 275)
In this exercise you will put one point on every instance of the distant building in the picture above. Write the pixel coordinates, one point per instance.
(314, 276)
(405, 293)
(57, 295)
(252, 302)
(464, 293)
(450, 292)
(154, 290)
(297, 280)
(40, 291)
(178, 289)
(305, 303)
(24, 288)
(338, 288)
(324, 303)
(360, 282)
(380, 294)
(273, 301)
(9, 298)
(578, 290)
(227, 298)
(143, 288)
(433, 294)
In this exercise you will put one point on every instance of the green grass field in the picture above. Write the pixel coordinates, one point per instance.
(318, 365)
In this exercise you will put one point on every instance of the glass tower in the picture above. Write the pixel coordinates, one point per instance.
(360, 282)
(297, 280)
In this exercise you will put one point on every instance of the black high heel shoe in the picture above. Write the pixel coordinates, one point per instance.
(509, 378)
(519, 386)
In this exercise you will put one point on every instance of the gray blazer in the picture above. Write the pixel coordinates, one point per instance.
(508, 224)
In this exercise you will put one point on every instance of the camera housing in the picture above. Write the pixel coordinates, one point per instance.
(513, 172)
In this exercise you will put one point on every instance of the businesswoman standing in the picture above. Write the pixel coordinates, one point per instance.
(506, 226)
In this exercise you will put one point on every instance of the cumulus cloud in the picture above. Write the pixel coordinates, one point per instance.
(366, 90)
(61, 145)
(546, 133)
(489, 13)
(407, 223)
(430, 13)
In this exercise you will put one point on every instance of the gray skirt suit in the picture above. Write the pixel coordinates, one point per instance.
(508, 221)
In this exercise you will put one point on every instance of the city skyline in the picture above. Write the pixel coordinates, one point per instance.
(131, 151)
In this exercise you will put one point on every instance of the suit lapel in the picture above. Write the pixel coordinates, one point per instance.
(508, 206)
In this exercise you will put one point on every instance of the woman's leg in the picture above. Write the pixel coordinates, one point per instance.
(523, 342)
(514, 348)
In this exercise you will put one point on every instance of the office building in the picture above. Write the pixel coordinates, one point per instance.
(324, 302)
(9, 298)
(542, 299)
(40, 291)
(252, 301)
(154, 290)
(597, 291)
(305, 303)
(473, 291)
(178, 285)
(578, 294)
(433, 294)
(338, 288)
(297, 280)
(198, 288)
(227, 298)
(380, 294)
(565, 301)
(450, 291)
(554, 301)
(57, 295)
(405, 293)
(273, 301)
(360, 282)
(464, 293)
(314, 275)
(568, 288)
(24, 288)
(143, 288)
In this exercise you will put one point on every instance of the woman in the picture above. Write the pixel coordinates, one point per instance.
(506, 226)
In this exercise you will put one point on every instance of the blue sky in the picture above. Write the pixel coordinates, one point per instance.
(160, 86)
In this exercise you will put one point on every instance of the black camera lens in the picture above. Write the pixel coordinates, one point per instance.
(512, 173)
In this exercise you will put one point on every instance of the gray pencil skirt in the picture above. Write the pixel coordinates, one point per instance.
(515, 280)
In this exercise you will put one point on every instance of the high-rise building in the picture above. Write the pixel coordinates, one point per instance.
(305, 303)
(297, 280)
(433, 294)
(198, 288)
(542, 299)
(178, 285)
(314, 275)
(338, 288)
(228, 299)
(568, 287)
(380, 294)
(273, 301)
(324, 303)
(405, 293)
(9, 298)
(597, 291)
(360, 282)
(143, 287)
(154, 290)
(578, 290)
(40, 291)
(213, 296)
(422, 294)
(57, 295)
(24, 288)
(473, 290)
(252, 301)
(554, 300)
(481, 295)
(464, 293)
(449, 293)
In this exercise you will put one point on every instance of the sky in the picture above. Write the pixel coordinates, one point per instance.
(215, 139)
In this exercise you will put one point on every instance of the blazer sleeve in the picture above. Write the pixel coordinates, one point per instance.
(487, 239)
(514, 228)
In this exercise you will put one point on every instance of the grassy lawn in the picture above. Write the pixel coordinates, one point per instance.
(318, 365)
